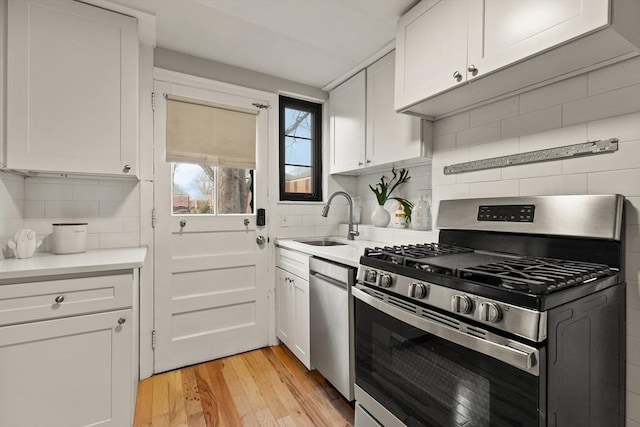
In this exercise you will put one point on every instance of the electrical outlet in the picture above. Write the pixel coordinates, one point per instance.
(284, 221)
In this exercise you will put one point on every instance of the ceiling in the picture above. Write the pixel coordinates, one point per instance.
(308, 41)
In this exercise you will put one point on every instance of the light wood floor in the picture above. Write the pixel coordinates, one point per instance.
(265, 387)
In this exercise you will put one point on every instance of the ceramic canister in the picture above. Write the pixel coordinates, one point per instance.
(70, 237)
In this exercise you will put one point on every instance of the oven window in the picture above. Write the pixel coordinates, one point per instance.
(428, 381)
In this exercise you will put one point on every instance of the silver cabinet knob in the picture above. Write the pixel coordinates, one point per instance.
(183, 223)
(472, 69)
(59, 299)
(457, 76)
(126, 168)
(461, 304)
(121, 321)
(490, 312)
(359, 163)
(368, 161)
(260, 240)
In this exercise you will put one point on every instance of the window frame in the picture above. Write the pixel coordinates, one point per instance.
(316, 150)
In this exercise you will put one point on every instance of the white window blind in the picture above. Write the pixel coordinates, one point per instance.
(210, 134)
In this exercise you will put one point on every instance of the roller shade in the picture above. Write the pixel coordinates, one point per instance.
(210, 134)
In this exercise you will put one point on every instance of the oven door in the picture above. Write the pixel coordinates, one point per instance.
(428, 369)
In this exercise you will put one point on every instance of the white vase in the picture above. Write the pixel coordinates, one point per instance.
(380, 217)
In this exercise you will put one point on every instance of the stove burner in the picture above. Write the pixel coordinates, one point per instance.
(413, 255)
(535, 275)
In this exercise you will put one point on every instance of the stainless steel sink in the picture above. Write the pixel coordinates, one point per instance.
(321, 242)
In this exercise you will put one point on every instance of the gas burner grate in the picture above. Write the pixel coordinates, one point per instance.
(410, 254)
(537, 276)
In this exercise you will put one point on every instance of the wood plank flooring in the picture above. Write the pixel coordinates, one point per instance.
(265, 387)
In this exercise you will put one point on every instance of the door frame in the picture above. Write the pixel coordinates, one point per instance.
(147, 203)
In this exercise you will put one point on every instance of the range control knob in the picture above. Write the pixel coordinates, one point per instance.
(490, 312)
(418, 290)
(370, 276)
(461, 304)
(386, 281)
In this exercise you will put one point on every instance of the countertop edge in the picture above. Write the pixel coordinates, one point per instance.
(326, 251)
(48, 264)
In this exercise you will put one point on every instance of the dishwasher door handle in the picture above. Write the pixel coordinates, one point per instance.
(330, 280)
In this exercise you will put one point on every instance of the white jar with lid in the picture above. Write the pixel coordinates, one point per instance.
(421, 216)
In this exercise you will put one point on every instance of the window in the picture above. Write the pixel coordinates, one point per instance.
(300, 150)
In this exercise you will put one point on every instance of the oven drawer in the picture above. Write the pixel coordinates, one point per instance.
(27, 302)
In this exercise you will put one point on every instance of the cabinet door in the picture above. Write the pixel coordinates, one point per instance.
(67, 372)
(348, 115)
(502, 32)
(72, 92)
(431, 45)
(391, 136)
(284, 307)
(301, 344)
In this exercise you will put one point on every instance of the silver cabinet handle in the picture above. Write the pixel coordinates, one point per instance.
(126, 168)
(59, 299)
(359, 163)
(457, 76)
(121, 321)
(368, 161)
(260, 240)
(472, 69)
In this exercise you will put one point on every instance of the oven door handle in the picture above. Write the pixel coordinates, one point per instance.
(511, 352)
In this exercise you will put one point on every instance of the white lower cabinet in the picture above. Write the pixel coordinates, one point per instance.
(293, 314)
(292, 303)
(66, 371)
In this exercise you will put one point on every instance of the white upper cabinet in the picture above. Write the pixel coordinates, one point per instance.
(72, 89)
(365, 129)
(347, 124)
(454, 54)
(391, 137)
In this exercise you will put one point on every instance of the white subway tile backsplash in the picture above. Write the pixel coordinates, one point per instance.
(108, 209)
(554, 94)
(71, 209)
(119, 240)
(554, 138)
(625, 182)
(37, 191)
(34, 208)
(479, 176)
(616, 76)
(632, 210)
(503, 147)
(532, 170)
(633, 295)
(625, 128)
(627, 157)
(11, 209)
(632, 267)
(446, 142)
(633, 378)
(537, 121)
(608, 104)
(633, 406)
(495, 188)
(451, 124)
(633, 322)
(495, 111)
(131, 224)
(550, 185)
(478, 135)
(633, 350)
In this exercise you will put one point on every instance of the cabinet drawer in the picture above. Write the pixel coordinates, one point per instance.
(293, 262)
(26, 302)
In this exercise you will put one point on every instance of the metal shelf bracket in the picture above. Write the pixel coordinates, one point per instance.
(557, 153)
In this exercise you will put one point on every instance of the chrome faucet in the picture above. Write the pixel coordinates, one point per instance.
(325, 211)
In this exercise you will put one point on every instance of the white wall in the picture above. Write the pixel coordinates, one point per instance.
(600, 105)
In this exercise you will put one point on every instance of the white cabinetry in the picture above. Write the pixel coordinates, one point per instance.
(365, 129)
(75, 367)
(72, 89)
(500, 47)
(292, 303)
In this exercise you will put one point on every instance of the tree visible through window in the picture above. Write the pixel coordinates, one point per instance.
(300, 150)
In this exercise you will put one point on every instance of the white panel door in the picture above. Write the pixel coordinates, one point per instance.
(348, 114)
(502, 32)
(391, 136)
(72, 92)
(211, 282)
(431, 45)
(67, 372)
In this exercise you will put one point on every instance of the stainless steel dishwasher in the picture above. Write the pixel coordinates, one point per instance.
(331, 315)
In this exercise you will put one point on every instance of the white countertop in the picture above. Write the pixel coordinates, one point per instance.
(48, 264)
(348, 254)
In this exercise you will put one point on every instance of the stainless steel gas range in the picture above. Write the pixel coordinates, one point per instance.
(516, 317)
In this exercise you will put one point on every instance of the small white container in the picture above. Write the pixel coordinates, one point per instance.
(69, 238)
